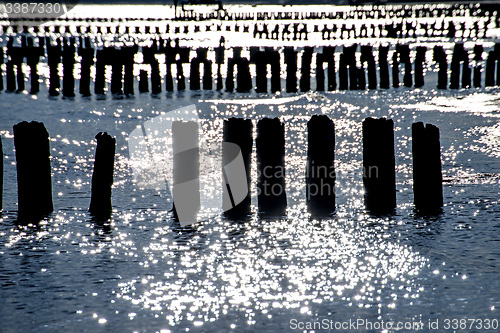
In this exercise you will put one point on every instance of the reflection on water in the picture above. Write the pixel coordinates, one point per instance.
(142, 272)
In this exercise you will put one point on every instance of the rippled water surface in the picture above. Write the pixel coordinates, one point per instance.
(142, 272)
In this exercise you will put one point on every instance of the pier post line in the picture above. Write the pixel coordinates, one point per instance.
(320, 170)
(460, 55)
(427, 175)
(31, 141)
(270, 147)
(148, 53)
(102, 176)
(379, 175)
(261, 59)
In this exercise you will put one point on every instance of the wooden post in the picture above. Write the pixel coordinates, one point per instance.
(270, 145)
(291, 69)
(427, 176)
(34, 185)
(100, 71)
(305, 70)
(384, 66)
(419, 66)
(54, 53)
(102, 177)
(440, 58)
(379, 175)
(116, 58)
(239, 132)
(87, 53)
(186, 169)
(478, 58)
(143, 81)
(320, 172)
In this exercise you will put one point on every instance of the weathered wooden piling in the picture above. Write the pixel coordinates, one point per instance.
(102, 177)
(478, 58)
(326, 57)
(343, 78)
(31, 141)
(33, 55)
(1, 70)
(86, 52)
(100, 71)
(270, 145)
(379, 175)
(419, 66)
(348, 70)
(427, 176)
(492, 62)
(116, 58)
(305, 69)
(291, 69)
(68, 60)
(439, 56)
(243, 79)
(320, 172)
(402, 55)
(143, 81)
(186, 168)
(239, 132)
(262, 59)
(194, 77)
(128, 69)
(54, 53)
(219, 60)
(368, 58)
(149, 58)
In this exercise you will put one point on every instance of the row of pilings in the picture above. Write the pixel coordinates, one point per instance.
(355, 67)
(32, 150)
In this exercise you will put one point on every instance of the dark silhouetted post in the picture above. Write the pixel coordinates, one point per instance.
(493, 62)
(343, 79)
(219, 59)
(68, 60)
(368, 58)
(116, 58)
(478, 58)
(270, 145)
(384, 66)
(427, 176)
(194, 77)
(379, 175)
(102, 177)
(1, 71)
(239, 132)
(86, 52)
(143, 81)
(320, 172)
(186, 169)
(100, 70)
(54, 53)
(128, 68)
(419, 66)
(440, 57)
(326, 56)
(33, 55)
(291, 69)
(34, 185)
(305, 70)
(243, 79)
(455, 65)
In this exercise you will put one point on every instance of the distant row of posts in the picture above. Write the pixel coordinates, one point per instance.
(351, 74)
(32, 148)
